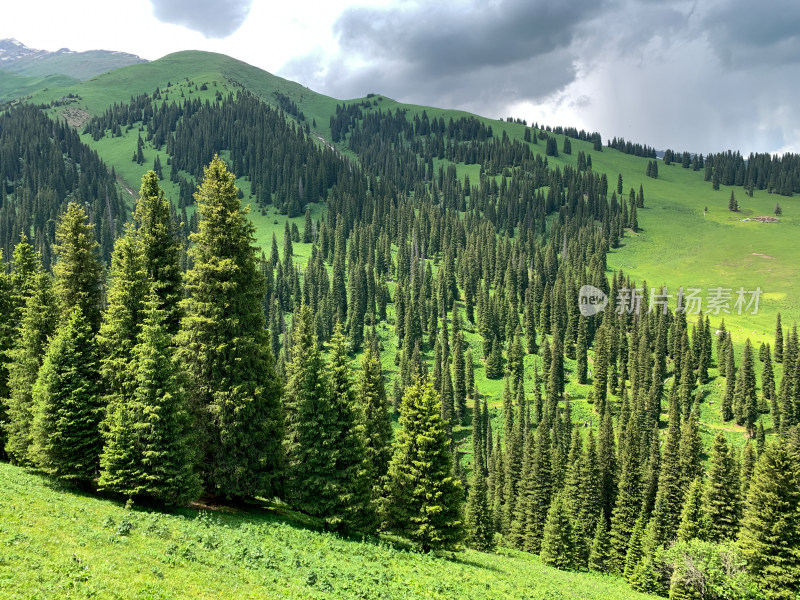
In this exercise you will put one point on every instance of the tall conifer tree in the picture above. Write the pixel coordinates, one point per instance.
(225, 347)
(722, 500)
(77, 269)
(39, 321)
(377, 420)
(149, 446)
(770, 533)
(67, 407)
(423, 498)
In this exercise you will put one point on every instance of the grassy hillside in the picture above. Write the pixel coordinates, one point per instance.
(76, 65)
(119, 85)
(14, 85)
(61, 543)
(678, 244)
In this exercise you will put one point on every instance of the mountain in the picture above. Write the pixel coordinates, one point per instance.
(14, 85)
(673, 217)
(179, 68)
(16, 57)
(412, 214)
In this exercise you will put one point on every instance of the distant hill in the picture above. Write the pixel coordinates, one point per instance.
(119, 85)
(14, 85)
(16, 57)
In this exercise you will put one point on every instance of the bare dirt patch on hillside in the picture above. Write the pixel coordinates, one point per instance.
(75, 117)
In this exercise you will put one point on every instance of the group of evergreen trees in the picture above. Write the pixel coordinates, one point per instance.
(226, 368)
(44, 165)
(172, 389)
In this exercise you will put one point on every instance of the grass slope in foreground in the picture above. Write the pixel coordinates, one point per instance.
(58, 543)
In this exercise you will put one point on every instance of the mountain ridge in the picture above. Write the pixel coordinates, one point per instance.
(17, 57)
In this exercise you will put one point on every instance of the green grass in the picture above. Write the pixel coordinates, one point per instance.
(77, 65)
(60, 543)
(14, 85)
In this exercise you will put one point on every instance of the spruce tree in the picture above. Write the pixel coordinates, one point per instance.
(629, 498)
(377, 420)
(730, 385)
(225, 348)
(161, 247)
(588, 502)
(670, 495)
(77, 269)
(325, 449)
(122, 320)
(722, 503)
(600, 371)
(479, 521)
(541, 488)
(345, 444)
(748, 467)
(66, 404)
(745, 401)
(423, 498)
(690, 459)
(15, 289)
(39, 321)
(580, 351)
(607, 464)
(769, 399)
(692, 515)
(558, 544)
(8, 334)
(149, 442)
(600, 555)
(469, 373)
(494, 362)
(26, 264)
(459, 376)
(770, 534)
(518, 491)
(645, 576)
(778, 339)
(634, 553)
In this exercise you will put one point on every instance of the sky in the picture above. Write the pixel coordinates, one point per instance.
(700, 76)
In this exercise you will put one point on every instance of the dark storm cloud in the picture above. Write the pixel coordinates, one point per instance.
(447, 38)
(476, 55)
(212, 18)
(698, 75)
(745, 33)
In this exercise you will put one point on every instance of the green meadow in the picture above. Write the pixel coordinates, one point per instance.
(60, 543)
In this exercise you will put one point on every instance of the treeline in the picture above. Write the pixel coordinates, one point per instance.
(777, 174)
(636, 149)
(282, 162)
(573, 133)
(43, 166)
